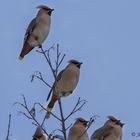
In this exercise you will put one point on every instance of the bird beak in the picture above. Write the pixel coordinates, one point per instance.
(86, 123)
(122, 124)
(119, 123)
(51, 10)
(80, 63)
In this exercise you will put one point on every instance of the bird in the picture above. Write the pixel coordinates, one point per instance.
(65, 83)
(78, 130)
(37, 30)
(111, 130)
(39, 134)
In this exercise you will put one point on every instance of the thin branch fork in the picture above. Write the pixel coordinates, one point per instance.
(78, 106)
(59, 60)
(30, 115)
(46, 54)
(38, 75)
(51, 112)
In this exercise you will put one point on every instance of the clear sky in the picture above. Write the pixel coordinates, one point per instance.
(104, 35)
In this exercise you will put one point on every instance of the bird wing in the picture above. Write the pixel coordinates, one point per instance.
(101, 133)
(58, 78)
(30, 29)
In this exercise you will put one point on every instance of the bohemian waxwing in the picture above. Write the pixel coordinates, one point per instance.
(37, 30)
(66, 82)
(78, 130)
(111, 130)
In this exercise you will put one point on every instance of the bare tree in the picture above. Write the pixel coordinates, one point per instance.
(30, 113)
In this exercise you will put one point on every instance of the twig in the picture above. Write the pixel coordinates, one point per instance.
(80, 103)
(62, 119)
(39, 76)
(58, 62)
(59, 59)
(24, 114)
(69, 126)
(47, 57)
(51, 112)
(9, 125)
(30, 114)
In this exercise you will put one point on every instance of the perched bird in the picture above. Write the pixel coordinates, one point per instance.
(111, 130)
(78, 130)
(65, 83)
(37, 30)
(40, 135)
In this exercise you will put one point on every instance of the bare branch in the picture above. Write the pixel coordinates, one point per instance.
(9, 125)
(62, 119)
(51, 112)
(24, 114)
(29, 114)
(91, 121)
(58, 62)
(61, 60)
(39, 76)
(69, 126)
(46, 54)
(80, 103)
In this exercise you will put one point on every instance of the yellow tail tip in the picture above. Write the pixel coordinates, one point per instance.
(49, 109)
(20, 58)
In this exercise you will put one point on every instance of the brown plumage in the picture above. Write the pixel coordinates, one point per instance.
(26, 49)
(67, 81)
(37, 30)
(39, 134)
(78, 130)
(111, 130)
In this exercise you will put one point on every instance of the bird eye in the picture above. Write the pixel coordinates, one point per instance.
(113, 120)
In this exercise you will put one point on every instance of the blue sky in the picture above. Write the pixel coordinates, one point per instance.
(104, 35)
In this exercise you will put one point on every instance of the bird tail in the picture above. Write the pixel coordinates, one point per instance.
(50, 106)
(26, 49)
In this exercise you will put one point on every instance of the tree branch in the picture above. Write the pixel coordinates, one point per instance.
(9, 125)
(62, 119)
(46, 54)
(30, 115)
(51, 112)
(78, 106)
(39, 76)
